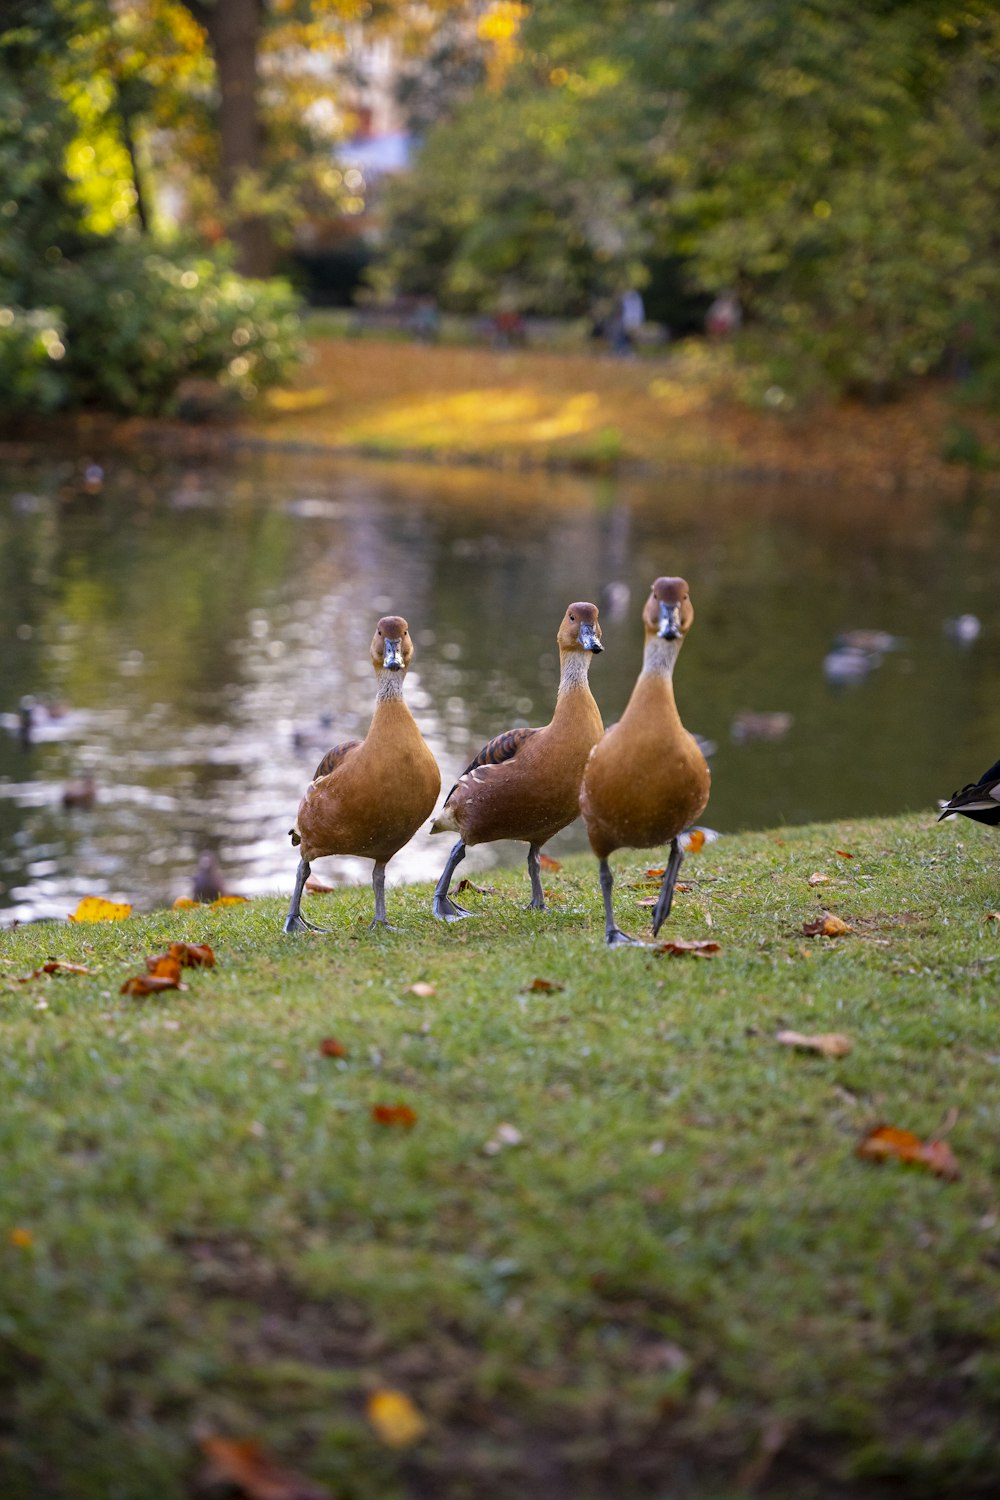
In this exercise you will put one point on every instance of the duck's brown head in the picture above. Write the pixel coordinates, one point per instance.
(580, 629)
(391, 645)
(668, 611)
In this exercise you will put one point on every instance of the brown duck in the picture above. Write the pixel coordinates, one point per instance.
(525, 784)
(369, 797)
(647, 780)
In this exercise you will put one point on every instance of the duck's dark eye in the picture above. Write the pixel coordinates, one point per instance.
(573, 618)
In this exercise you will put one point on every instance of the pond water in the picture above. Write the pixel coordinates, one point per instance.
(197, 635)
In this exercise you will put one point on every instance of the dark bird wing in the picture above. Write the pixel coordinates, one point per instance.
(979, 800)
(504, 747)
(332, 758)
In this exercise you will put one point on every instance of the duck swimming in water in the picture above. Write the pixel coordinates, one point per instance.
(980, 800)
(647, 780)
(368, 797)
(525, 784)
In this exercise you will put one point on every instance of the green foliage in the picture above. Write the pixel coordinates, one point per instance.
(31, 348)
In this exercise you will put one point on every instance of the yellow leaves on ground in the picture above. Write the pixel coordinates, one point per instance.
(184, 903)
(395, 1418)
(21, 1238)
(826, 926)
(827, 1043)
(245, 1466)
(96, 909)
(886, 1142)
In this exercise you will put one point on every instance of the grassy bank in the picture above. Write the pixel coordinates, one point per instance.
(679, 1281)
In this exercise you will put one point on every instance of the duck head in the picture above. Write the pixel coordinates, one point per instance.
(391, 645)
(668, 611)
(580, 629)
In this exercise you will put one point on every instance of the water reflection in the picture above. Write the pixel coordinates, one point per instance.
(200, 635)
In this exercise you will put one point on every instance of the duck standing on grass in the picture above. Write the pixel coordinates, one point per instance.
(980, 800)
(647, 780)
(369, 797)
(525, 784)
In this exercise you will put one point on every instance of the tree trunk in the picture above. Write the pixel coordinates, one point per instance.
(233, 28)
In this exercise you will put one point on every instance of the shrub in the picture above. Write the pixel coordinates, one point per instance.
(31, 351)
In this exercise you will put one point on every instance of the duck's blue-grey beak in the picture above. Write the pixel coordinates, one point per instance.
(588, 639)
(670, 621)
(392, 656)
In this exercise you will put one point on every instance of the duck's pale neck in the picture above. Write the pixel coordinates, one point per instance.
(574, 667)
(660, 656)
(389, 687)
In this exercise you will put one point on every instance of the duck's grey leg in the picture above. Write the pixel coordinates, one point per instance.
(537, 902)
(445, 909)
(295, 921)
(613, 935)
(378, 884)
(664, 901)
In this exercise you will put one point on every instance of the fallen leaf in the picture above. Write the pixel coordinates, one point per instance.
(245, 1465)
(53, 966)
(192, 955)
(316, 887)
(96, 909)
(505, 1135)
(696, 838)
(21, 1237)
(546, 862)
(843, 853)
(829, 1043)
(151, 984)
(229, 901)
(647, 900)
(678, 947)
(817, 878)
(163, 966)
(992, 916)
(394, 1114)
(885, 1141)
(547, 986)
(330, 1047)
(657, 873)
(183, 902)
(421, 989)
(478, 890)
(826, 926)
(395, 1418)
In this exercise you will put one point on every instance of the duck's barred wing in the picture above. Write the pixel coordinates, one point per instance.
(504, 747)
(332, 758)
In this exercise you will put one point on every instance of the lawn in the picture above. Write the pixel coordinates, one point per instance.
(667, 1275)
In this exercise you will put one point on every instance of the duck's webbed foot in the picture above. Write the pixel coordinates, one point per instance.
(295, 921)
(445, 909)
(298, 923)
(615, 938)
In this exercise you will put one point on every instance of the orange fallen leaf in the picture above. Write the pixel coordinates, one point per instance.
(992, 916)
(246, 1465)
(96, 909)
(843, 853)
(546, 862)
(21, 1237)
(817, 878)
(657, 873)
(826, 926)
(163, 966)
(150, 984)
(421, 989)
(478, 890)
(395, 1418)
(53, 966)
(192, 955)
(394, 1114)
(330, 1047)
(544, 985)
(883, 1142)
(316, 887)
(678, 947)
(183, 902)
(829, 1043)
(229, 901)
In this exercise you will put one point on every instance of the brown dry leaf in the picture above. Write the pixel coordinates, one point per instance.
(96, 909)
(330, 1047)
(817, 878)
(657, 873)
(315, 887)
(395, 1418)
(163, 966)
(53, 966)
(478, 890)
(826, 926)
(829, 1043)
(546, 862)
(992, 916)
(229, 901)
(245, 1465)
(394, 1114)
(192, 955)
(183, 902)
(150, 984)
(546, 986)
(678, 947)
(21, 1237)
(421, 989)
(647, 900)
(843, 853)
(885, 1141)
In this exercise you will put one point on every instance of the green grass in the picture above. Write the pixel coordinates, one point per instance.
(681, 1284)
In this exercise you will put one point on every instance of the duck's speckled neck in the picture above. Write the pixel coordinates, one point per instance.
(575, 667)
(390, 687)
(660, 656)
